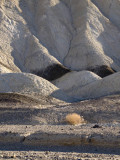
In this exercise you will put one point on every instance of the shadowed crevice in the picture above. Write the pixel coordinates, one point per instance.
(52, 72)
(103, 71)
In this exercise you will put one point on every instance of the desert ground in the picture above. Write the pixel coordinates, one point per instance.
(29, 130)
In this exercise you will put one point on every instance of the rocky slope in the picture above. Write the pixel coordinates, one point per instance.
(61, 41)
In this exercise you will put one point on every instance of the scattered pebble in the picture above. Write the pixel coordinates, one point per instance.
(96, 126)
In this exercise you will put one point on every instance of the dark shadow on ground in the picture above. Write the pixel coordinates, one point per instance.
(77, 149)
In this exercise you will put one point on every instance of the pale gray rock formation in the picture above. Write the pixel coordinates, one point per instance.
(106, 86)
(76, 34)
(86, 85)
(51, 22)
(70, 82)
(111, 9)
(40, 62)
(50, 38)
(19, 40)
(29, 84)
(96, 40)
(7, 64)
(24, 82)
